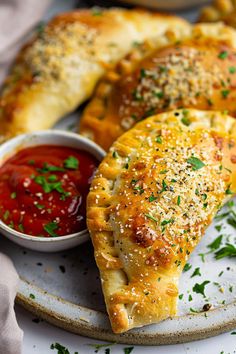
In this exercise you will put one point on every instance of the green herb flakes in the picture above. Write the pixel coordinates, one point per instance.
(232, 69)
(6, 215)
(196, 272)
(225, 93)
(128, 350)
(187, 267)
(159, 139)
(200, 288)
(178, 200)
(13, 195)
(151, 217)
(215, 244)
(50, 228)
(223, 55)
(228, 250)
(195, 163)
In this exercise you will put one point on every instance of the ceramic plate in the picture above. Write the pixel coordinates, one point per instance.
(64, 289)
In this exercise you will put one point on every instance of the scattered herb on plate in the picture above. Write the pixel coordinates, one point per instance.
(200, 288)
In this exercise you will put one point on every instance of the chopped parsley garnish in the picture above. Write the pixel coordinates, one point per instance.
(187, 267)
(60, 349)
(50, 186)
(159, 139)
(50, 228)
(40, 206)
(185, 120)
(159, 94)
(166, 222)
(52, 178)
(72, 163)
(21, 227)
(98, 347)
(13, 195)
(228, 191)
(143, 73)
(32, 296)
(210, 102)
(193, 310)
(128, 350)
(218, 228)
(232, 221)
(228, 250)
(195, 163)
(139, 189)
(163, 69)
(223, 55)
(225, 93)
(152, 198)
(115, 154)
(200, 288)
(50, 168)
(11, 224)
(163, 172)
(202, 255)
(151, 217)
(178, 200)
(196, 272)
(6, 215)
(232, 69)
(181, 296)
(215, 244)
(164, 186)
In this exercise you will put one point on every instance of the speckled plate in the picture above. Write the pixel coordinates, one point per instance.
(64, 289)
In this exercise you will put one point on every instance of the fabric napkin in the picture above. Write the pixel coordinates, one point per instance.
(17, 18)
(10, 334)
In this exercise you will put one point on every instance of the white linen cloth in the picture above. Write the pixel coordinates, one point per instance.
(10, 334)
(17, 17)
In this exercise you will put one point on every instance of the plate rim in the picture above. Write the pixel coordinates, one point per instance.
(83, 327)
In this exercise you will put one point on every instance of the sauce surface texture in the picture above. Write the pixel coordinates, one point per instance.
(43, 190)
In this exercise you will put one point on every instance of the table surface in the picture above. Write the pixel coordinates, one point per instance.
(39, 335)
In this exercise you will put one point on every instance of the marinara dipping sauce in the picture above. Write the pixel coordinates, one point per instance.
(43, 190)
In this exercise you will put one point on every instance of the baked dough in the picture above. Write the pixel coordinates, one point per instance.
(150, 203)
(198, 72)
(220, 10)
(58, 69)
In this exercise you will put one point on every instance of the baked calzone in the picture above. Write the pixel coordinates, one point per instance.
(198, 71)
(59, 68)
(152, 198)
(220, 10)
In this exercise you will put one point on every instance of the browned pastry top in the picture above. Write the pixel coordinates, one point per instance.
(194, 73)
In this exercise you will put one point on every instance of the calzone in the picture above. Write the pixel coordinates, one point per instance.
(58, 69)
(152, 198)
(196, 71)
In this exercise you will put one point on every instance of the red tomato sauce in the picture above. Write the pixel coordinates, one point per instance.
(43, 190)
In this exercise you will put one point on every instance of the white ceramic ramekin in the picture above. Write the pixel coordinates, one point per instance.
(48, 137)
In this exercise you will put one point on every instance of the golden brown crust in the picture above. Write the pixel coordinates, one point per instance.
(150, 202)
(197, 71)
(59, 68)
(220, 10)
